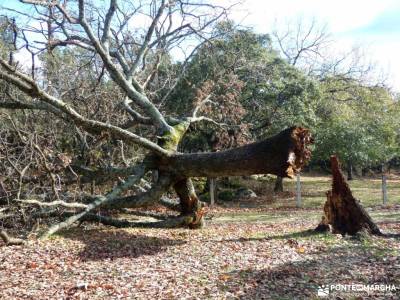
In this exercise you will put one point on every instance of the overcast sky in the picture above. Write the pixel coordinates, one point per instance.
(374, 24)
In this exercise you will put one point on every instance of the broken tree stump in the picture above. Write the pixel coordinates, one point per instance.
(342, 212)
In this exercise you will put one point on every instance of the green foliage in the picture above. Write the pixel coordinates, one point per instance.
(281, 97)
(251, 87)
(226, 195)
(361, 128)
(254, 88)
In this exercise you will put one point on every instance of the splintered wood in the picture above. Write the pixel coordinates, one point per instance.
(342, 212)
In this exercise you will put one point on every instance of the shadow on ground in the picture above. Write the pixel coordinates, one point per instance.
(301, 279)
(112, 244)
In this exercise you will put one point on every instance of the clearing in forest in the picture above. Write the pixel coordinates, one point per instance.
(243, 253)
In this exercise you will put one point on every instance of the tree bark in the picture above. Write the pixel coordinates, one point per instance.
(283, 155)
(10, 241)
(190, 203)
(342, 212)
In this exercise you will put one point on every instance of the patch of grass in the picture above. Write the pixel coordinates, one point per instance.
(268, 217)
(372, 246)
(257, 235)
(306, 234)
(368, 191)
(380, 216)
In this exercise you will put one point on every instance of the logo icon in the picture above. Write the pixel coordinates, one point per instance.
(323, 291)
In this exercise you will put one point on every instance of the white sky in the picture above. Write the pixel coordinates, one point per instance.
(373, 24)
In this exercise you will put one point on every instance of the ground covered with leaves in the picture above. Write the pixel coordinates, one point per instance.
(241, 254)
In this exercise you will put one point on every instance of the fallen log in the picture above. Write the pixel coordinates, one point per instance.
(283, 155)
(10, 241)
(343, 213)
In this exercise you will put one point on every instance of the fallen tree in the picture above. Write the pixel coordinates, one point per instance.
(343, 213)
(132, 64)
(284, 155)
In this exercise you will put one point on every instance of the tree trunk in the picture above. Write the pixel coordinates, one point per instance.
(191, 206)
(283, 155)
(190, 203)
(278, 184)
(349, 170)
(342, 212)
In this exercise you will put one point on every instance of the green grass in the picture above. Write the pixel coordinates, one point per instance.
(275, 217)
(368, 191)
(372, 246)
(268, 217)
(314, 188)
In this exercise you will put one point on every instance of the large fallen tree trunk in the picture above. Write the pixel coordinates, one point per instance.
(283, 155)
(342, 212)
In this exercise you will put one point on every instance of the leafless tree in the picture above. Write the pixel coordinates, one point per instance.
(303, 43)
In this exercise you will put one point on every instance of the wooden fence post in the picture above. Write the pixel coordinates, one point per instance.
(212, 192)
(384, 185)
(298, 191)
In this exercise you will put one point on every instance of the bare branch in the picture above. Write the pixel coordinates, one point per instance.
(27, 85)
(99, 201)
(125, 83)
(53, 203)
(105, 40)
(146, 41)
(10, 241)
(200, 105)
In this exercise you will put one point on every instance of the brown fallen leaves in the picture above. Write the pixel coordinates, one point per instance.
(249, 258)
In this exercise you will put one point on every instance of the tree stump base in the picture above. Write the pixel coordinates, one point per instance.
(342, 212)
